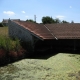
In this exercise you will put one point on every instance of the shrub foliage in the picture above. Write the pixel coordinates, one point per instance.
(9, 44)
(1, 25)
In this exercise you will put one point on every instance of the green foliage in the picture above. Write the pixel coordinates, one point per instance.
(50, 20)
(30, 20)
(1, 25)
(64, 21)
(9, 44)
(6, 42)
(47, 20)
(3, 31)
(17, 44)
(57, 20)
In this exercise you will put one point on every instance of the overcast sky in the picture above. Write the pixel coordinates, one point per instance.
(26, 9)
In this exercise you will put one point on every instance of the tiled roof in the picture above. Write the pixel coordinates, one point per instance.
(53, 31)
(65, 31)
(37, 29)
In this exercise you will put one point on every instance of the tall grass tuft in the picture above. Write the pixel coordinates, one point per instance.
(9, 44)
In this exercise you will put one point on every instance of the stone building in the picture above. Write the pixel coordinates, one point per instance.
(5, 21)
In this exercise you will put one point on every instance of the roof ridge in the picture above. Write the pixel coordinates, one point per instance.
(51, 32)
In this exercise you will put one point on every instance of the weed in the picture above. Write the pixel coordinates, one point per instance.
(9, 44)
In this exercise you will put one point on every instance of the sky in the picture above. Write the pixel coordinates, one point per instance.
(68, 10)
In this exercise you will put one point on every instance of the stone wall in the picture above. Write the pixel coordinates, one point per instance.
(17, 31)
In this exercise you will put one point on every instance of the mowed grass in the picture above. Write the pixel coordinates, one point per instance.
(3, 31)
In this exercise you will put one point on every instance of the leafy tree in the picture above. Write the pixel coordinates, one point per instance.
(47, 20)
(64, 21)
(57, 20)
(30, 20)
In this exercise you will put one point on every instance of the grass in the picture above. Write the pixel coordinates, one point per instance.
(10, 50)
(58, 67)
(3, 31)
(6, 42)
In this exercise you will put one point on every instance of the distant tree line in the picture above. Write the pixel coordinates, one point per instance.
(30, 20)
(50, 20)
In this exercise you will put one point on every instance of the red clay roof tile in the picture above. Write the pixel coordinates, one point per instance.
(65, 31)
(37, 29)
(53, 31)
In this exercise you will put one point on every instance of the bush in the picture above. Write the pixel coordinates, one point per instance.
(1, 25)
(9, 44)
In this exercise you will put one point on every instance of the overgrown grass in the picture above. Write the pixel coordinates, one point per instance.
(3, 31)
(9, 44)
(6, 42)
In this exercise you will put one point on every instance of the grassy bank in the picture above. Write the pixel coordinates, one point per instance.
(6, 42)
(3, 31)
(10, 50)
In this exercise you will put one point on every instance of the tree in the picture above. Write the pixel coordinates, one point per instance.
(47, 20)
(64, 21)
(30, 20)
(57, 20)
(72, 21)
